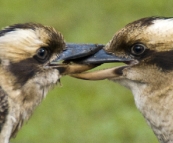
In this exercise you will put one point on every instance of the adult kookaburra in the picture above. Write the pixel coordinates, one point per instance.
(29, 68)
(146, 47)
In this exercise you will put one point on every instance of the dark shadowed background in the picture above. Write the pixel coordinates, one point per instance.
(85, 111)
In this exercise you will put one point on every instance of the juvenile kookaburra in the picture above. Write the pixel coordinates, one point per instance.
(28, 69)
(146, 47)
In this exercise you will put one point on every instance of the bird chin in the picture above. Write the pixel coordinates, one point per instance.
(110, 73)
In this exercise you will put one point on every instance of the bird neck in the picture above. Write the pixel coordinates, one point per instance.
(23, 99)
(154, 103)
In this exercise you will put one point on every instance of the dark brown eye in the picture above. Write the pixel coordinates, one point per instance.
(137, 49)
(42, 53)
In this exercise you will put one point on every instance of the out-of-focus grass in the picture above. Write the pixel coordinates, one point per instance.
(85, 111)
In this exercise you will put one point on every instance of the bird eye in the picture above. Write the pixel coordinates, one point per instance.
(138, 49)
(42, 53)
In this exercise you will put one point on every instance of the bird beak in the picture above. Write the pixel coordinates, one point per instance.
(101, 57)
(76, 51)
(104, 57)
(72, 53)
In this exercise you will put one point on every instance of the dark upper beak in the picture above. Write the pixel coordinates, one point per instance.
(76, 51)
(88, 54)
(101, 57)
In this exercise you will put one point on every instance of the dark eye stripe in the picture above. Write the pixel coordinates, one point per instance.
(163, 60)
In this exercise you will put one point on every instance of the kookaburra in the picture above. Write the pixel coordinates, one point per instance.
(146, 47)
(29, 68)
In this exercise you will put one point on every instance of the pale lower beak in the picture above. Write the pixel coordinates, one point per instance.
(101, 57)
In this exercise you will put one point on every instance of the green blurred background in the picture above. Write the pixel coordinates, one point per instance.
(85, 111)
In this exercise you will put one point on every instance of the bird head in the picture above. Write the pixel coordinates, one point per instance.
(27, 49)
(30, 50)
(33, 58)
(145, 46)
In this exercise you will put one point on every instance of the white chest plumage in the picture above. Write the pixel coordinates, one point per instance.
(155, 107)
